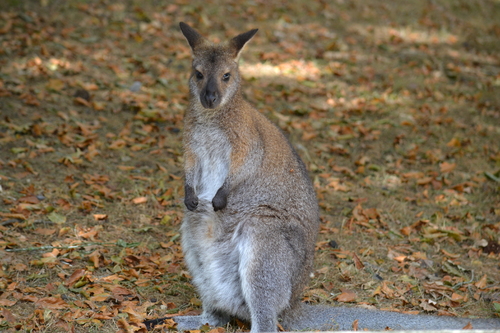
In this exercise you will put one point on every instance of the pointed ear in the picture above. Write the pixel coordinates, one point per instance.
(238, 42)
(193, 37)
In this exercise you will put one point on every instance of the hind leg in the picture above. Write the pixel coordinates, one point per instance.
(215, 318)
(212, 318)
(268, 270)
(265, 301)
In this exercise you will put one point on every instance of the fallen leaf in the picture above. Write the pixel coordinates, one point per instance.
(55, 84)
(94, 257)
(457, 297)
(54, 303)
(13, 216)
(481, 284)
(57, 218)
(425, 180)
(427, 306)
(355, 325)
(30, 298)
(468, 326)
(44, 232)
(89, 233)
(139, 200)
(357, 262)
(446, 167)
(100, 217)
(450, 255)
(346, 296)
(82, 101)
(454, 143)
(77, 275)
(388, 292)
(8, 316)
(7, 302)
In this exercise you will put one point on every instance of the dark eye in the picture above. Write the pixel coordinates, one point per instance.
(226, 76)
(199, 76)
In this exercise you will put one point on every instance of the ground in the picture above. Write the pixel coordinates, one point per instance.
(394, 107)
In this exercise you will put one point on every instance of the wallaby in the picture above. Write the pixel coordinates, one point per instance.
(252, 217)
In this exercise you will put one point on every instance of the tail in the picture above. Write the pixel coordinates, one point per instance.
(317, 317)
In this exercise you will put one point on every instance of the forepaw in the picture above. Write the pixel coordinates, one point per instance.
(220, 200)
(191, 203)
(190, 198)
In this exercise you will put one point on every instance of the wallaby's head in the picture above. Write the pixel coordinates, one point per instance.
(215, 78)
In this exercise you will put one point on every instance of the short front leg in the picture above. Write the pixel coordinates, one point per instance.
(220, 200)
(190, 198)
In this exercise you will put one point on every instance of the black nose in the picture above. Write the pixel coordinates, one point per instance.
(210, 97)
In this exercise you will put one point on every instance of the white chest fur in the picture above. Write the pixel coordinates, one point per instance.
(213, 151)
(217, 263)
